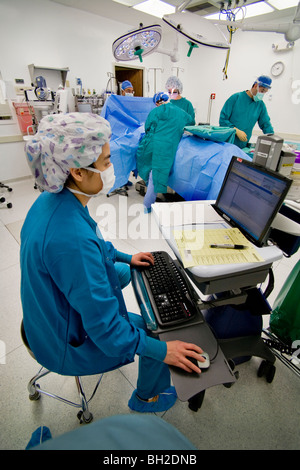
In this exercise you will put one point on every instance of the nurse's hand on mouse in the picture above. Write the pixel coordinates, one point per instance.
(178, 353)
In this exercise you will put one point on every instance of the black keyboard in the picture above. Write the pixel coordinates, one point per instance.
(172, 297)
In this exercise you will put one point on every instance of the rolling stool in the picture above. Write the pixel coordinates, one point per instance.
(84, 415)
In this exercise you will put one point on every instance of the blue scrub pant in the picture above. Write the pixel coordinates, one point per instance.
(154, 376)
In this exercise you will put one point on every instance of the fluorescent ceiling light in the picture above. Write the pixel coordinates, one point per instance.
(155, 8)
(128, 3)
(283, 4)
(254, 9)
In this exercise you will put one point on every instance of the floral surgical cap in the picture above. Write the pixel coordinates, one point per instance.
(174, 83)
(65, 141)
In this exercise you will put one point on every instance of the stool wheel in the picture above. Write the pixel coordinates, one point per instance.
(36, 395)
(83, 418)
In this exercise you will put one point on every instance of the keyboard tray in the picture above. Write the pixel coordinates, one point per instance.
(172, 297)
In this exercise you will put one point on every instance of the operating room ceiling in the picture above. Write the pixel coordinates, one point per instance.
(126, 14)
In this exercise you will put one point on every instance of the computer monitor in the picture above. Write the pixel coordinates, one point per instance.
(250, 197)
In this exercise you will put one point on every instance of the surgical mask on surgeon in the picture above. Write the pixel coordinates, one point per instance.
(259, 96)
(173, 95)
(108, 179)
(129, 94)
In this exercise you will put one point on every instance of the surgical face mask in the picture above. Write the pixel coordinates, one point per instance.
(128, 94)
(173, 95)
(108, 179)
(259, 96)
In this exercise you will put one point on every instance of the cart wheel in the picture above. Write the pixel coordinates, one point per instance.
(262, 369)
(268, 370)
(230, 384)
(9, 205)
(270, 373)
(196, 401)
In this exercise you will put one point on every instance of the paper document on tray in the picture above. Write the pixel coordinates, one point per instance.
(194, 247)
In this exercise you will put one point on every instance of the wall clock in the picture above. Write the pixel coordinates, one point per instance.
(277, 69)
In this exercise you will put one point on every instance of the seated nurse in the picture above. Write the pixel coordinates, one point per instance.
(74, 314)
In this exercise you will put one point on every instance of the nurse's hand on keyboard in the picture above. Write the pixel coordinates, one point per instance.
(178, 353)
(142, 259)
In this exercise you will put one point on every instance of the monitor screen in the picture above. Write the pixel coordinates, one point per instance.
(250, 197)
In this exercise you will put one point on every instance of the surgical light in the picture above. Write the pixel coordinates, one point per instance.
(145, 40)
(197, 30)
(137, 43)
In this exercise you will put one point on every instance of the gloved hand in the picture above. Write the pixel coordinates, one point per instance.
(241, 135)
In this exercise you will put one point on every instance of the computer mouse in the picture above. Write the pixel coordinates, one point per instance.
(202, 365)
(206, 363)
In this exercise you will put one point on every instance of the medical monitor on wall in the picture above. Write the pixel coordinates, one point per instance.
(250, 198)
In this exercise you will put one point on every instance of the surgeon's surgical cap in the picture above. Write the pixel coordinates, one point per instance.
(65, 141)
(161, 96)
(264, 81)
(126, 84)
(174, 83)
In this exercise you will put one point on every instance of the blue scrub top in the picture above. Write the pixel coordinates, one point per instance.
(74, 313)
(243, 112)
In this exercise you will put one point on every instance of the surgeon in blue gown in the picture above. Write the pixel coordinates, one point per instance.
(74, 314)
(246, 108)
(157, 149)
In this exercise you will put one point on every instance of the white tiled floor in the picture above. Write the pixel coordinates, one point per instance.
(251, 415)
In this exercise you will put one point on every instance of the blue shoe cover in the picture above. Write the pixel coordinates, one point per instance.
(165, 401)
(40, 435)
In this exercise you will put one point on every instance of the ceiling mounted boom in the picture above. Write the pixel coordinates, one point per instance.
(196, 29)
